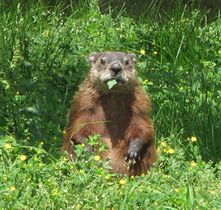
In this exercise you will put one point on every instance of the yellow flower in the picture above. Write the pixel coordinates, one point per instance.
(56, 192)
(142, 174)
(193, 164)
(107, 177)
(122, 182)
(83, 145)
(193, 138)
(132, 177)
(65, 159)
(40, 164)
(40, 151)
(171, 151)
(142, 52)
(72, 166)
(78, 206)
(163, 144)
(166, 176)
(13, 188)
(23, 157)
(81, 171)
(145, 82)
(155, 52)
(212, 192)
(46, 33)
(8, 146)
(64, 132)
(97, 157)
(41, 142)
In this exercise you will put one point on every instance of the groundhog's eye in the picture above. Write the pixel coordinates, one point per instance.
(103, 61)
(126, 61)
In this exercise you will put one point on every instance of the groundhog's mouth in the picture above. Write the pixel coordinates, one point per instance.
(114, 83)
(119, 81)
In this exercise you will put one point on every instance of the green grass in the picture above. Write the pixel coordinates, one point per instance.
(33, 178)
(43, 60)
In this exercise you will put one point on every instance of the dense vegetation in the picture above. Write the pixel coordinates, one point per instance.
(43, 59)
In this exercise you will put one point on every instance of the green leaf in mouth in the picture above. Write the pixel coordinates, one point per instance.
(111, 83)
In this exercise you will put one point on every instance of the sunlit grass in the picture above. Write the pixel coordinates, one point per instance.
(43, 59)
(40, 180)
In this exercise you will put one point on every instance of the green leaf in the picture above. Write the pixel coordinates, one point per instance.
(111, 83)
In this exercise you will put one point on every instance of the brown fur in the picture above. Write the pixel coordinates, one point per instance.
(120, 116)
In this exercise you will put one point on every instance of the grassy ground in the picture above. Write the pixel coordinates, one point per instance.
(33, 178)
(42, 62)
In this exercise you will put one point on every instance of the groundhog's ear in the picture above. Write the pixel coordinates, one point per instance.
(133, 58)
(93, 57)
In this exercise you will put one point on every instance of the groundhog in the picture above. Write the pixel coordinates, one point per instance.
(120, 114)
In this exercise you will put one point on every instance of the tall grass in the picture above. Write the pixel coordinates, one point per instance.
(43, 60)
(185, 73)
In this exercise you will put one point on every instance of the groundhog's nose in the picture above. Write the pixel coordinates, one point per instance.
(116, 68)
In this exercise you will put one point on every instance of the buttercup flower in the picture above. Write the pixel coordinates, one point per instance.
(40, 151)
(8, 146)
(145, 82)
(13, 188)
(142, 52)
(78, 206)
(46, 33)
(163, 144)
(213, 192)
(107, 177)
(171, 151)
(97, 157)
(40, 164)
(23, 157)
(81, 171)
(55, 192)
(65, 159)
(122, 182)
(193, 164)
(193, 138)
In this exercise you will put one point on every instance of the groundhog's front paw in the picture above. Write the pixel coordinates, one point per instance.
(134, 152)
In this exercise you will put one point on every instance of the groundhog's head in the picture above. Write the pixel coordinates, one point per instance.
(108, 66)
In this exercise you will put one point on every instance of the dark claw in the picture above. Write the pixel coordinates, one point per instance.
(132, 157)
(134, 151)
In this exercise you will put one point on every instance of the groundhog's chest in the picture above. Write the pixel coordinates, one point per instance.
(116, 113)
